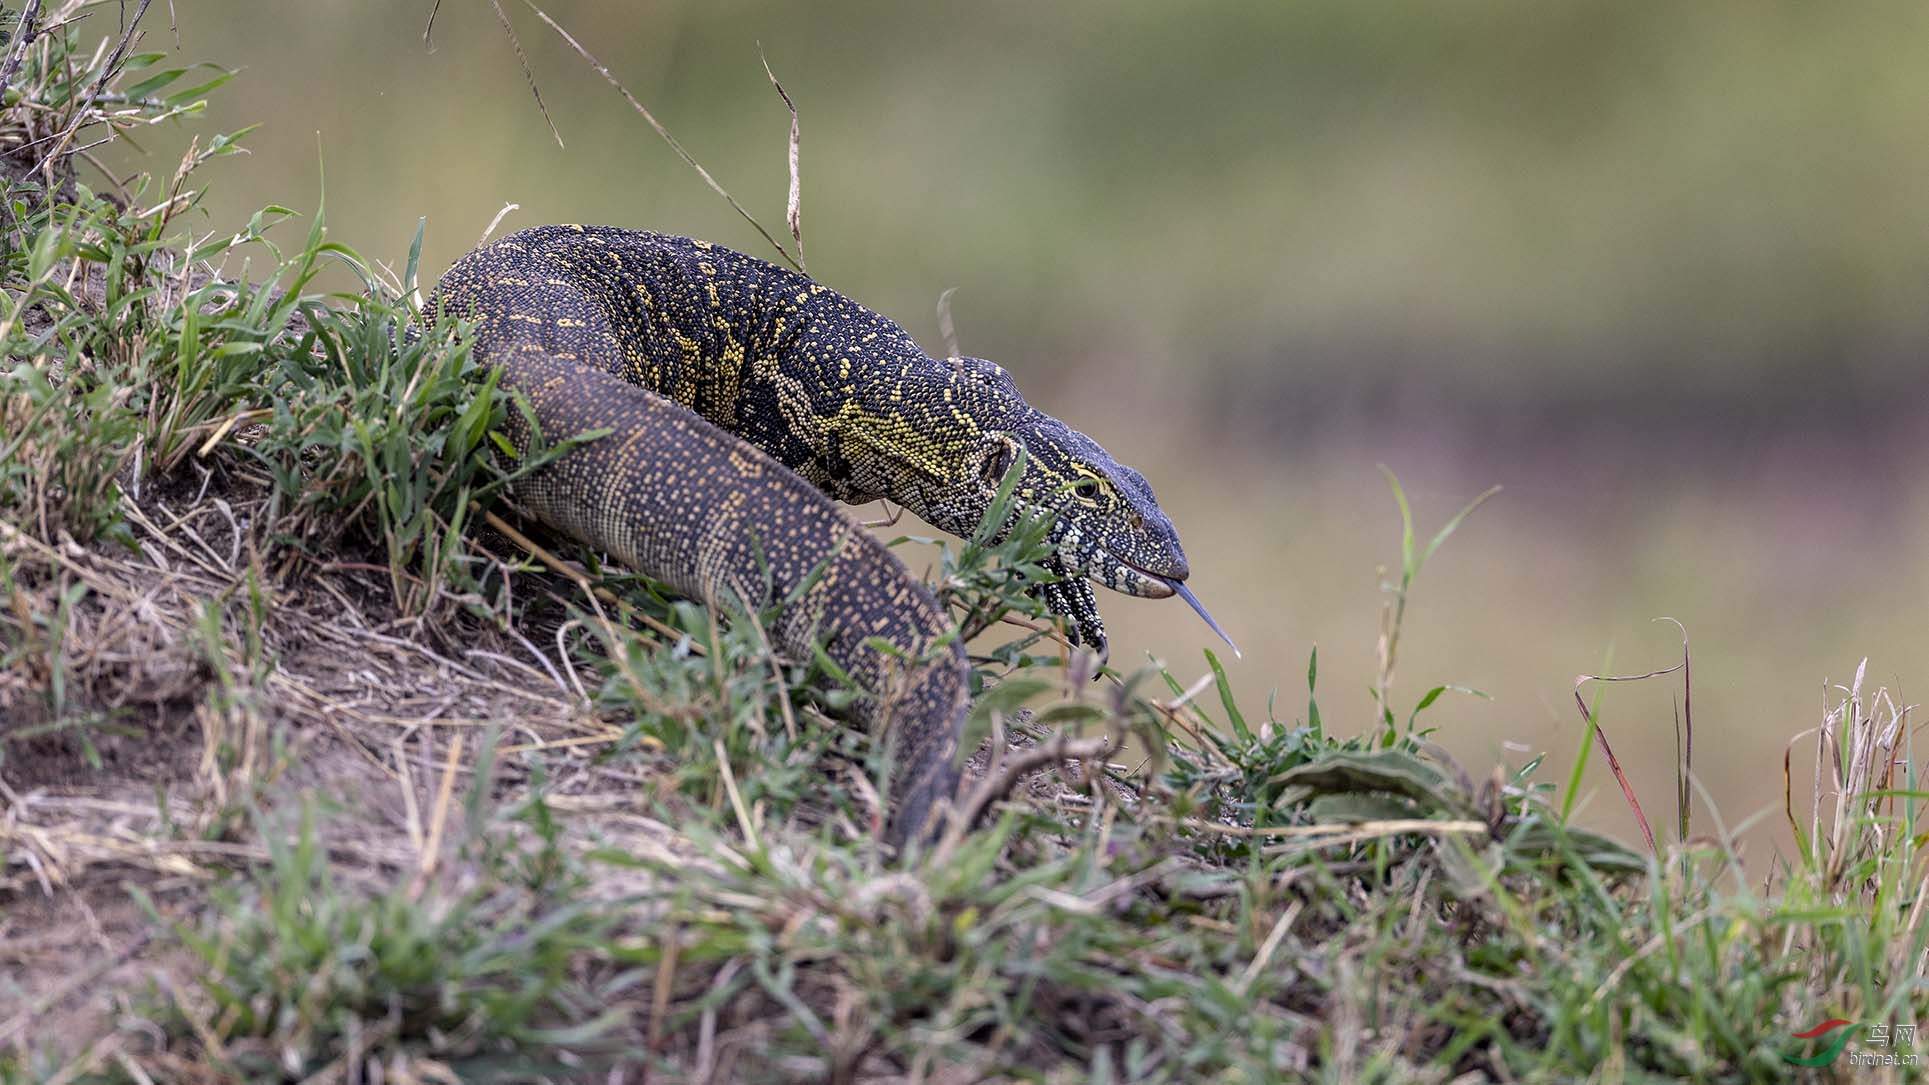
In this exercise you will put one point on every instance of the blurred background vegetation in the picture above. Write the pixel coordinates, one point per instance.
(1658, 269)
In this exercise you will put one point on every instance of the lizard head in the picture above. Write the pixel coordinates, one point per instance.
(1109, 526)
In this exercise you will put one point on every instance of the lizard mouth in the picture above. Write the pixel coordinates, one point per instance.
(1144, 583)
(1156, 586)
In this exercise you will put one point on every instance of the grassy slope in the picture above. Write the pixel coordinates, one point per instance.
(303, 769)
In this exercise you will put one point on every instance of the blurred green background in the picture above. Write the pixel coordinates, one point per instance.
(1657, 269)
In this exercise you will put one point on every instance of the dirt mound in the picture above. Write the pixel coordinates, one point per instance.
(189, 695)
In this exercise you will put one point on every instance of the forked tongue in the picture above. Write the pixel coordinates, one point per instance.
(1193, 601)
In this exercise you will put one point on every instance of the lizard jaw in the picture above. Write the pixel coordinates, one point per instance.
(1174, 586)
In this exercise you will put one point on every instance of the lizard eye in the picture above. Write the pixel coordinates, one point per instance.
(1087, 489)
(997, 461)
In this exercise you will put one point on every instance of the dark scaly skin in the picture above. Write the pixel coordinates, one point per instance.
(607, 328)
(840, 395)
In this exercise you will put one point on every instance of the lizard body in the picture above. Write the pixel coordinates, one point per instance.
(684, 347)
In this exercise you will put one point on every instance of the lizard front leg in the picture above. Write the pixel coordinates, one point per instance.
(1071, 598)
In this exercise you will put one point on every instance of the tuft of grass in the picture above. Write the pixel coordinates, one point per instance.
(37, 692)
(723, 721)
(300, 970)
(1393, 611)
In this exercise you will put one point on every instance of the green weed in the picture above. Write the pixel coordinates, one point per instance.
(300, 969)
